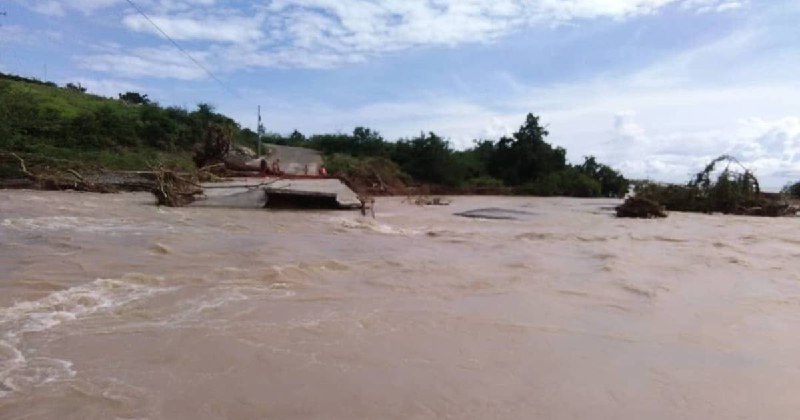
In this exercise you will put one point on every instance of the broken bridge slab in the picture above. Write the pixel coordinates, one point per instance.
(254, 192)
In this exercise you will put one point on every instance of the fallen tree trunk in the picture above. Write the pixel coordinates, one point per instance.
(170, 188)
(58, 179)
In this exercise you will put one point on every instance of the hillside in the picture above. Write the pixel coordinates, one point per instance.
(66, 123)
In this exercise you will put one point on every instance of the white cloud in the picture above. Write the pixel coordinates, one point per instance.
(60, 7)
(17, 34)
(343, 28)
(10, 34)
(49, 7)
(235, 29)
(147, 62)
(328, 33)
(706, 6)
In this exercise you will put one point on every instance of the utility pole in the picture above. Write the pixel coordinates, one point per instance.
(260, 130)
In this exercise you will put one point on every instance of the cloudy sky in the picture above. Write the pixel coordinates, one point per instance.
(654, 87)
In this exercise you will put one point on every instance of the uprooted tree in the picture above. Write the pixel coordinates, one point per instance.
(170, 188)
(215, 146)
(173, 190)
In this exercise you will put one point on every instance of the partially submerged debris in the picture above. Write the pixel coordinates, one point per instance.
(170, 188)
(43, 174)
(424, 200)
(772, 209)
(367, 205)
(733, 190)
(495, 213)
(173, 190)
(328, 193)
(641, 208)
(287, 199)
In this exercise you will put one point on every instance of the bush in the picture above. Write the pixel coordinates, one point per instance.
(369, 167)
(792, 190)
(368, 173)
(567, 182)
(485, 182)
(727, 191)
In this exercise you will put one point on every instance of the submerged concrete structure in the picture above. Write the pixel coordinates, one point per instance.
(279, 193)
(285, 177)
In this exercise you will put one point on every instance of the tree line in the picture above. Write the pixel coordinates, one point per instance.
(41, 117)
(523, 160)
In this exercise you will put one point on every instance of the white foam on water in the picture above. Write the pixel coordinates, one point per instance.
(83, 224)
(374, 226)
(18, 370)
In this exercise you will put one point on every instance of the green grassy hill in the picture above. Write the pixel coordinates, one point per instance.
(66, 123)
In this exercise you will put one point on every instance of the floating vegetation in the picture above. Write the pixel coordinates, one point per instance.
(641, 208)
(732, 190)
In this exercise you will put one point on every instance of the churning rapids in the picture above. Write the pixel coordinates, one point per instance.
(113, 308)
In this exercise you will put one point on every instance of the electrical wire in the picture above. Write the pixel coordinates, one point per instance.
(186, 53)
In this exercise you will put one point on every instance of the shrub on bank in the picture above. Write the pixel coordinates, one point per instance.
(567, 182)
(485, 182)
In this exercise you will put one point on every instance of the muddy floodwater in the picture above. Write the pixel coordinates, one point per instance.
(112, 308)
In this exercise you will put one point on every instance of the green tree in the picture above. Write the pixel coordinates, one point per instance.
(612, 183)
(296, 138)
(367, 142)
(134, 98)
(425, 158)
(76, 88)
(157, 128)
(526, 156)
(792, 190)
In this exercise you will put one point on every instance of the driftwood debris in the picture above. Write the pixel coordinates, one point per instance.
(53, 178)
(173, 190)
(732, 190)
(170, 188)
(425, 200)
(367, 205)
(641, 208)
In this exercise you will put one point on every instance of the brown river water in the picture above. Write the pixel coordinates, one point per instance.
(112, 308)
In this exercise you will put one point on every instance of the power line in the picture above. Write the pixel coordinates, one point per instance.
(186, 53)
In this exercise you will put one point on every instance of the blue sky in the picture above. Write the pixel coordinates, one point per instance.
(654, 87)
